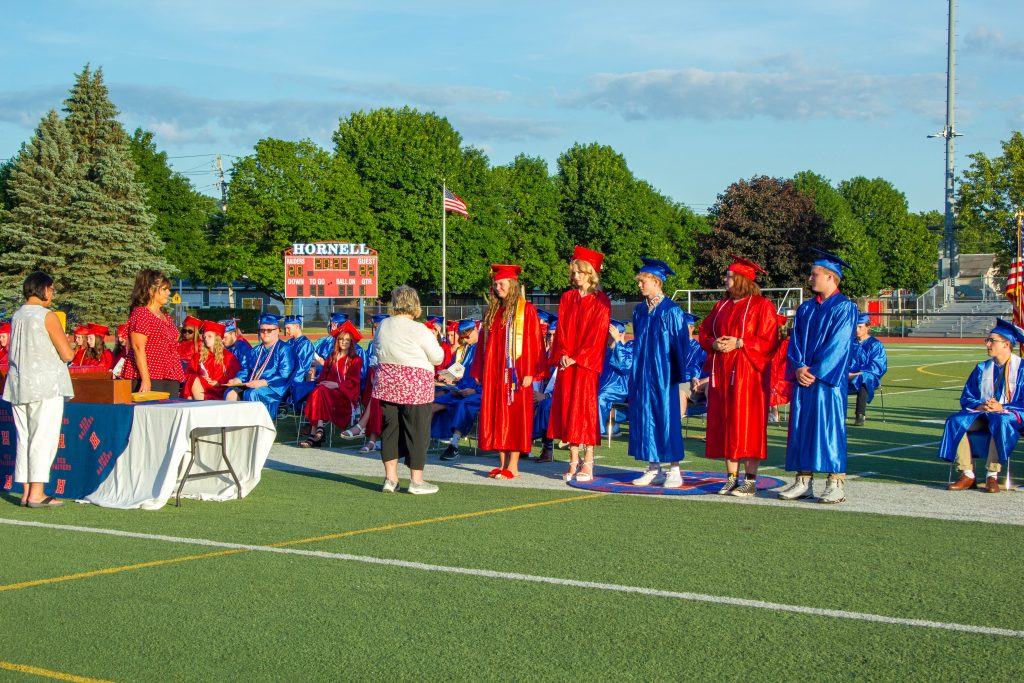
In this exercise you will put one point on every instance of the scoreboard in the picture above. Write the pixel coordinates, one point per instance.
(337, 270)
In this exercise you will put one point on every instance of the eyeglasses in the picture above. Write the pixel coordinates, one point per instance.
(188, 332)
(993, 340)
(268, 330)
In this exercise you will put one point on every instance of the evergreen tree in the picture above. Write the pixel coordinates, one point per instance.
(113, 238)
(42, 187)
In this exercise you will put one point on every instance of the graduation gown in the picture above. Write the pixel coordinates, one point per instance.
(613, 385)
(335, 404)
(821, 340)
(216, 373)
(443, 422)
(1004, 428)
(104, 362)
(782, 388)
(273, 365)
(869, 359)
(695, 361)
(302, 360)
(737, 417)
(506, 411)
(581, 335)
(660, 348)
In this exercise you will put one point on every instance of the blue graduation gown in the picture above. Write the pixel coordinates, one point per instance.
(868, 358)
(1004, 428)
(277, 374)
(695, 361)
(302, 360)
(444, 422)
(542, 408)
(821, 340)
(660, 351)
(613, 385)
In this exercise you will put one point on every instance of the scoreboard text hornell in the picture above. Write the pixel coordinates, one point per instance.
(330, 269)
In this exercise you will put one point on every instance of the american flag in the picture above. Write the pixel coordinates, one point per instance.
(453, 203)
(1015, 289)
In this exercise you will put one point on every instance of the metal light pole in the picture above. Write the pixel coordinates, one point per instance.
(949, 133)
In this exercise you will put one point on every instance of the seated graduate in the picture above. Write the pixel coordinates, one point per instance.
(868, 363)
(81, 332)
(5, 343)
(120, 350)
(781, 388)
(191, 339)
(544, 390)
(210, 370)
(269, 370)
(613, 386)
(96, 354)
(451, 418)
(303, 353)
(992, 401)
(692, 390)
(337, 390)
(234, 340)
(370, 421)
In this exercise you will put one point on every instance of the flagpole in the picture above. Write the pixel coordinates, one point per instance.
(444, 255)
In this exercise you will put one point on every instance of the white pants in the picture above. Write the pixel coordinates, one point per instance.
(38, 426)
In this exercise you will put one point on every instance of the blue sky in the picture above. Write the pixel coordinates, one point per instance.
(695, 94)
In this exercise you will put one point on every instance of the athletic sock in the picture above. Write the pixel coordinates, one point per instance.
(990, 473)
(455, 440)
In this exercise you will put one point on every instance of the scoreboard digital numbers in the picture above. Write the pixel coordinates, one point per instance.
(330, 269)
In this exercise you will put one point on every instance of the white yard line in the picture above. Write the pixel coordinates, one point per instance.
(917, 391)
(549, 580)
(945, 362)
(898, 448)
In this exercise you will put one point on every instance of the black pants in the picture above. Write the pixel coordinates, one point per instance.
(172, 387)
(405, 431)
(862, 401)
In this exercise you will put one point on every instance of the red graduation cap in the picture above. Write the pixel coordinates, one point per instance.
(122, 331)
(503, 271)
(211, 326)
(5, 328)
(594, 258)
(745, 267)
(192, 322)
(347, 326)
(99, 330)
(83, 329)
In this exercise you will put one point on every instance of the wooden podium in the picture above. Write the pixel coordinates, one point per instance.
(98, 386)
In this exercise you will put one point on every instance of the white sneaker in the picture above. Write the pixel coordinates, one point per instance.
(835, 491)
(390, 486)
(423, 488)
(649, 477)
(803, 487)
(673, 480)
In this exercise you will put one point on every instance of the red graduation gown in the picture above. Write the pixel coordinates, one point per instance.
(740, 380)
(335, 404)
(781, 388)
(505, 426)
(217, 373)
(582, 334)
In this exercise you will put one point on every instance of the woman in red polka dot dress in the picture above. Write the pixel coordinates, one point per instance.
(152, 362)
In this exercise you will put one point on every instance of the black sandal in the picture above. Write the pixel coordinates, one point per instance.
(314, 441)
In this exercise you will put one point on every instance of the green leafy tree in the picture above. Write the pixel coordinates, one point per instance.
(288, 192)
(43, 186)
(183, 218)
(908, 251)
(768, 220)
(848, 234)
(988, 199)
(113, 238)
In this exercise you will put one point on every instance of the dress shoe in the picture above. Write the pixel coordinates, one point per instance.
(992, 484)
(858, 421)
(963, 483)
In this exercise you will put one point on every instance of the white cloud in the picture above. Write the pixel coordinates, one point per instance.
(994, 43)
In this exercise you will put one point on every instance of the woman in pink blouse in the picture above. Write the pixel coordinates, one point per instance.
(152, 362)
(404, 384)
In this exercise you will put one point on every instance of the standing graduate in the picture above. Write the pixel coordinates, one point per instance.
(96, 354)
(992, 401)
(269, 370)
(739, 336)
(868, 363)
(660, 346)
(81, 332)
(819, 354)
(508, 359)
(584, 313)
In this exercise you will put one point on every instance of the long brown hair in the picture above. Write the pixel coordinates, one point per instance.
(335, 351)
(94, 352)
(742, 287)
(145, 281)
(515, 292)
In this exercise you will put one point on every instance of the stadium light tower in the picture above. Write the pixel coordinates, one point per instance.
(949, 134)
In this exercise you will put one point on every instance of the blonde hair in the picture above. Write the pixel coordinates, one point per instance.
(508, 305)
(218, 351)
(585, 267)
(648, 276)
(405, 301)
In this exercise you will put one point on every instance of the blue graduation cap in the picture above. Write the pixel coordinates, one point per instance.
(620, 325)
(293, 320)
(863, 319)
(830, 261)
(658, 269)
(339, 318)
(269, 319)
(230, 325)
(378, 318)
(692, 319)
(543, 316)
(436, 321)
(1008, 331)
(467, 325)
(552, 323)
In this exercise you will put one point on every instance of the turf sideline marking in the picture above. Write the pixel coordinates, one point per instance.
(551, 580)
(36, 671)
(235, 548)
(898, 448)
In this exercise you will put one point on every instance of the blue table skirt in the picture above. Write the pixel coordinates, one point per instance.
(92, 437)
